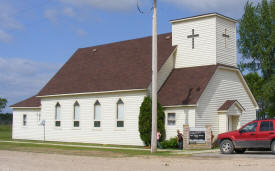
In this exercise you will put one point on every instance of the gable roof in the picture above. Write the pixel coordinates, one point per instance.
(184, 86)
(117, 66)
(32, 102)
(227, 104)
(203, 16)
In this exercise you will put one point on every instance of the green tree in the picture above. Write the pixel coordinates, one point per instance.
(256, 83)
(257, 37)
(145, 121)
(269, 95)
(257, 45)
(3, 103)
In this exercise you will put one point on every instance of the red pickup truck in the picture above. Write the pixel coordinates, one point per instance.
(258, 134)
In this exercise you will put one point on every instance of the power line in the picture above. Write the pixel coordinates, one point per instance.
(141, 11)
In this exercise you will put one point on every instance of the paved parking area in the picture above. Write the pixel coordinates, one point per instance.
(26, 161)
(247, 154)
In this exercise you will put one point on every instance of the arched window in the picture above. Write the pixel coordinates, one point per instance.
(97, 114)
(24, 120)
(76, 114)
(120, 113)
(57, 115)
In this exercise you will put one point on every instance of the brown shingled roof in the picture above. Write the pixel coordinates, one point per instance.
(185, 85)
(116, 66)
(30, 102)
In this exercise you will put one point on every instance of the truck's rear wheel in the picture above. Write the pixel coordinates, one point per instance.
(273, 147)
(226, 147)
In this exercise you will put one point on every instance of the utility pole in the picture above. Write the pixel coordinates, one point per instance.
(154, 80)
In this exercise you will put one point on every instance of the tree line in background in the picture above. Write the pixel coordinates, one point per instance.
(5, 118)
(257, 45)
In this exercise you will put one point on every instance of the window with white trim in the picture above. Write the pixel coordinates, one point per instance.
(24, 120)
(38, 116)
(120, 113)
(76, 114)
(171, 119)
(97, 114)
(57, 115)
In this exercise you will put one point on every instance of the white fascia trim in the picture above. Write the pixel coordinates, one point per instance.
(203, 16)
(90, 93)
(237, 103)
(180, 106)
(25, 107)
(244, 83)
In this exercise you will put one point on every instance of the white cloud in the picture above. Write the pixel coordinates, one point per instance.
(80, 32)
(116, 5)
(7, 17)
(8, 22)
(22, 78)
(69, 12)
(51, 14)
(233, 8)
(54, 14)
(4, 36)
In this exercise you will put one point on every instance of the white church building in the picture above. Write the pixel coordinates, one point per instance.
(96, 96)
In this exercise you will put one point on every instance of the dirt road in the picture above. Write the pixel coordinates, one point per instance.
(25, 161)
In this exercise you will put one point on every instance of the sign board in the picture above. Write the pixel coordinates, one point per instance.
(197, 136)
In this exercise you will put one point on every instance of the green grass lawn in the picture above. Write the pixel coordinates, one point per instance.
(5, 132)
(80, 151)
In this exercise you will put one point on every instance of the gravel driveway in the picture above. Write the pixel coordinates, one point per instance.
(26, 161)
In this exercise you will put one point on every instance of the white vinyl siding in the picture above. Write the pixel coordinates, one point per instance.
(209, 46)
(223, 122)
(184, 115)
(33, 131)
(108, 133)
(164, 72)
(226, 55)
(224, 85)
(205, 45)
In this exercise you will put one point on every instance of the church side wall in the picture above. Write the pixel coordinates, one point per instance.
(184, 115)
(225, 85)
(226, 47)
(164, 72)
(108, 133)
(32, 130)
(204, 52)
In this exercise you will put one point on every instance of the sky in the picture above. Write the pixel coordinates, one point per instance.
(38, 36)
